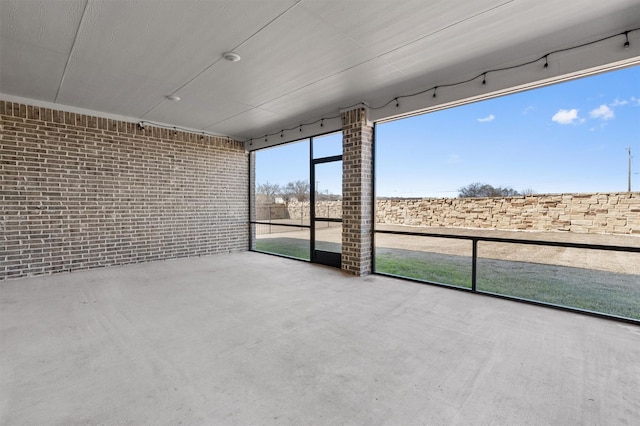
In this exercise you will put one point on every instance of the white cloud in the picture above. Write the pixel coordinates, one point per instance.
(566, 116)
(487, 119)
(528, 109)
(635, 101)
(603, 112)
(618, 102)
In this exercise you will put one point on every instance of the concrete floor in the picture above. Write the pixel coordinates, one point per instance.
(248, 338)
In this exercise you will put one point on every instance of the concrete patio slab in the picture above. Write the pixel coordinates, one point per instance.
(248, 338)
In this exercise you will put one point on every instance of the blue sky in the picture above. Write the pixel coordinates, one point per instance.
(568, 137)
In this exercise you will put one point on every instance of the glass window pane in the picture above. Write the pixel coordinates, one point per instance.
(329, 236)
(594, 280)
(282, 184)
(553, 163)
(328, 187)
(327, 145)
(286, 241)
(431, 259)
(281, 197)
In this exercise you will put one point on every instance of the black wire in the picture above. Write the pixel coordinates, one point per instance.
(142, 125)
(484, 73)
(299, 126)
(434, 88)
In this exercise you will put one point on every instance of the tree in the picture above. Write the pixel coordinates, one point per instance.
(298, 190)
(476, 190)
(268, 191)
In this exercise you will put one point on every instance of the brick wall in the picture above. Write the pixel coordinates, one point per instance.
(357, 192)
(610, 213)
(252, 208)
(82, 192)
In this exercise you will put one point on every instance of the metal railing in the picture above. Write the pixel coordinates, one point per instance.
(474, 265)
(276, 216)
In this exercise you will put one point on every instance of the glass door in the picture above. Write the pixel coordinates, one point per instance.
(326, 210)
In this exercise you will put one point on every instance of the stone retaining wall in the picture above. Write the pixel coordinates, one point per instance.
(323, 209)
(298, 210)
(599, 213)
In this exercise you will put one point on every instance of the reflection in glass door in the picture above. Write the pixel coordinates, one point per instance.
(326, 211)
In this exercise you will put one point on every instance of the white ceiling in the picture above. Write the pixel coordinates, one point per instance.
(301, 60)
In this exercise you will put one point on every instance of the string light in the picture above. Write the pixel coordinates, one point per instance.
(626, 44)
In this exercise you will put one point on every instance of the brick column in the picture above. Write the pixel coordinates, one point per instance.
(252, 200)
(357, 191)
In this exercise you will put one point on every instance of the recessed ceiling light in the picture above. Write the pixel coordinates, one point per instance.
(231, 56)
(173, 98)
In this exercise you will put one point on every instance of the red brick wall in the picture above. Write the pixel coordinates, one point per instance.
(81, 192)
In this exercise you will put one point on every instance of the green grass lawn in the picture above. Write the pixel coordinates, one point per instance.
(606, 292)
(292, 247)
(437, 268)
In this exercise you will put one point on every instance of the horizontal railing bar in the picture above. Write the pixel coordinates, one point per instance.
(418, 280)
(328, 219)
(300, 259)
(327, 159)
(588, 312)
(515, 241)
(291, 225)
